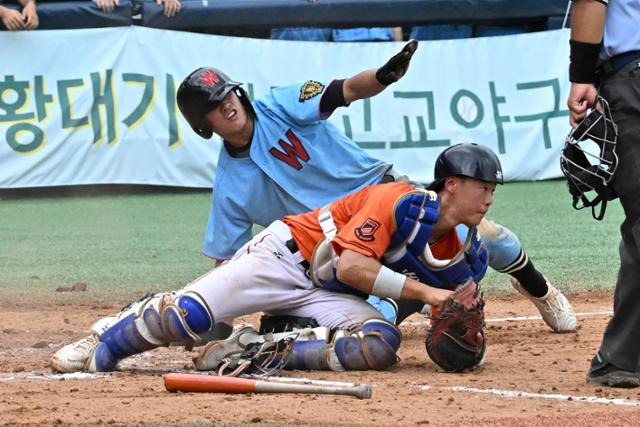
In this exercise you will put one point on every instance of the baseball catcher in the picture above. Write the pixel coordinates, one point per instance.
(320, 265)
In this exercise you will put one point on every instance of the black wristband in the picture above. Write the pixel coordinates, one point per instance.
(584, 57)
(333, 97)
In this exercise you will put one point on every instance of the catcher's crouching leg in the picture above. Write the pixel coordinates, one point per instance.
(370, 345)
(155, 321)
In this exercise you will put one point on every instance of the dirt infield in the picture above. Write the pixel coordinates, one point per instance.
(531, 377)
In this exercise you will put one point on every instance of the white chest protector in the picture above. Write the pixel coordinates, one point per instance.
(324, 260)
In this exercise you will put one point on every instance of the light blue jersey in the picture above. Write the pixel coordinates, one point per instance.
(298, 161)
(621, 33)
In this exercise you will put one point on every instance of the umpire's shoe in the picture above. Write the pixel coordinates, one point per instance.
(554, 307)
(604, 373)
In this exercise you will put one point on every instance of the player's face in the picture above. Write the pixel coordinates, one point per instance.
(473, 199)
(229, 118)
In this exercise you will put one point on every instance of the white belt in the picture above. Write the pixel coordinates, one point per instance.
(280, 230)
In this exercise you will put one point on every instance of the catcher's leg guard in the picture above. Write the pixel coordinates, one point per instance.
(186, 317)
(213, 354)
(312, 356)
(372, 345)
(153, 322)
(265, 353)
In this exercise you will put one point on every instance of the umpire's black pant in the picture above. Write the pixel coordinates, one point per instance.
(621, 342)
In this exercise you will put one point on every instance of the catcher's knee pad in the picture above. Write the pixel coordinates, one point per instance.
(373, 346)
(152, 322)
(185, 318)
(505, 250)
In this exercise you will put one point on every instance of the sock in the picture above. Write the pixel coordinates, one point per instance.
(531, 280)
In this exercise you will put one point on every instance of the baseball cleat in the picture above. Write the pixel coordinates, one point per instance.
(554, 307)
(74, 357)
(213, 354)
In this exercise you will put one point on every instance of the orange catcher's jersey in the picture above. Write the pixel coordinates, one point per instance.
(365, 221)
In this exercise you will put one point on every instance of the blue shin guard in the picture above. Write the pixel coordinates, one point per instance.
(154, 322)
(309, 356)
(372, 346)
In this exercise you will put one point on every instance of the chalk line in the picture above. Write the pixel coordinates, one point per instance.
(553, 396)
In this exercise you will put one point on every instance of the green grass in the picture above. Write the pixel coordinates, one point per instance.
(140, 242)
(570, 247)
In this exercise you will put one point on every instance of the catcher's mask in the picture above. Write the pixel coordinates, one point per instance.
(469, 160)
(575, 161)
(201, 92)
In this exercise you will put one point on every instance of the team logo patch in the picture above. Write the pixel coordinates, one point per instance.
(310, 89)
(367, 230)
(209, 78)
(499, 175)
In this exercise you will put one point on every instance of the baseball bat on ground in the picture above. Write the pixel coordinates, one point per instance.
(220, 384)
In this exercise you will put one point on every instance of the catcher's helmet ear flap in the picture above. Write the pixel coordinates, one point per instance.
(582, 175)
(469, 160)
(201, 92)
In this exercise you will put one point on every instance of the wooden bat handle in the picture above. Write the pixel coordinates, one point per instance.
(359, 391)
(220, 384)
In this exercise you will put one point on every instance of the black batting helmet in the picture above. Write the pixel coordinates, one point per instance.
(201, 92)
(587, 171)
(469, 160)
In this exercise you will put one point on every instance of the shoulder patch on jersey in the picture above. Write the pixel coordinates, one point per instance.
(367, 230)
(310, 89)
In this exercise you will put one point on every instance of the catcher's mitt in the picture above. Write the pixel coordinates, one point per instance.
(456, 341)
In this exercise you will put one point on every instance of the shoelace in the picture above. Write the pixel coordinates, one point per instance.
(556, 303)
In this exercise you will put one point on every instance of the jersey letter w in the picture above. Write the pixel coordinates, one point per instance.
(209, 78)
(293, 151)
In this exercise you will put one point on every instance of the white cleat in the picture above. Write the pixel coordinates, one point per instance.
(554, 307)
(74, 357)
(212, 355)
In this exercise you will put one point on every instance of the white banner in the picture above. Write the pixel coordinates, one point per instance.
(95, 106)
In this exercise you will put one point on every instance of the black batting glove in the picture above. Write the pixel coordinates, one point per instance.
(397, 66)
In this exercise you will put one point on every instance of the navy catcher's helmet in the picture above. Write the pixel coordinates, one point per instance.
(469, 160)
(201, 92)
(583, 176)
